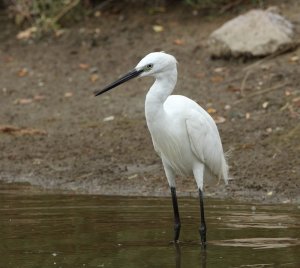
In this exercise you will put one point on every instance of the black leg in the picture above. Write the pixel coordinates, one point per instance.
(177, 223)
(202, 229)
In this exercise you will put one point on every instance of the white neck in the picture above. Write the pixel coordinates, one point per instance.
(159, 92)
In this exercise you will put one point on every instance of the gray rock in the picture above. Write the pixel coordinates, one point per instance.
(256, 33)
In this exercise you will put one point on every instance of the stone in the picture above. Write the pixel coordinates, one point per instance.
(256, 33)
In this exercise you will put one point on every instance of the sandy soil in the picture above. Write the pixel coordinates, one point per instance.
(56, 135)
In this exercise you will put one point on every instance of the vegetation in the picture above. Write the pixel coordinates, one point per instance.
(40, 16)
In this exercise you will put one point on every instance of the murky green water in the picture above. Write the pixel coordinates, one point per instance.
(51, 230)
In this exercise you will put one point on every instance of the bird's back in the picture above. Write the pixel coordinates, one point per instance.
(181, 104)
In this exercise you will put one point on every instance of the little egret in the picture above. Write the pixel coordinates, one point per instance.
(183, 134)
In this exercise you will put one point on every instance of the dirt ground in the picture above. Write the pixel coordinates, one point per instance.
(55, 134)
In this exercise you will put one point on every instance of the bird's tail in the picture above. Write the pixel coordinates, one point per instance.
(225, 168)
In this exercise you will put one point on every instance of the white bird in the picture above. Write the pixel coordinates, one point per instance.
(183, 134)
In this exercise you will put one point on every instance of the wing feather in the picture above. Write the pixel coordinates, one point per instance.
(206, 143)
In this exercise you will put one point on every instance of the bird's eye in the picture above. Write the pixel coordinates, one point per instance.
(148, 67)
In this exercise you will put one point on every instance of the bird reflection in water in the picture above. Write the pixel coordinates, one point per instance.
(202, 261)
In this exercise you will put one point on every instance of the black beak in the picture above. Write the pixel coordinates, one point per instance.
(132, 74)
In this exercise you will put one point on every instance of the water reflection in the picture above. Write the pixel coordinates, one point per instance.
(259, 242)
(203, 258)
(42, 230)
(177, 254)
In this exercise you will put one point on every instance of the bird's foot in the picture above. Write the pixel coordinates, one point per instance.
(203, 244)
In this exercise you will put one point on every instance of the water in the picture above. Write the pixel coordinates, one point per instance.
(60, 230)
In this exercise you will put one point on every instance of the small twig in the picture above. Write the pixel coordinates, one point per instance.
(273, 55)
(264, 91)
(292, 132)
(103, 4)
(243, 84)
(65, 10)
(284, 107)
(259, 62)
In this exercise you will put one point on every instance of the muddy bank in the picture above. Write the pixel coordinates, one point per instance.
(56, 135)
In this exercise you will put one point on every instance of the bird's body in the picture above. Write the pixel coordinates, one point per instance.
(179, 133)
(170, 137)
(183, 134)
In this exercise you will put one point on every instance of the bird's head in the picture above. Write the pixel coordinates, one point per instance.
(153, 64)
(156, 63)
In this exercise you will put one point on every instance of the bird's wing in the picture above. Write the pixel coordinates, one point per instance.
(205, 141)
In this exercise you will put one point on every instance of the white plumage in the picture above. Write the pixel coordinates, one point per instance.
(183, 134)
